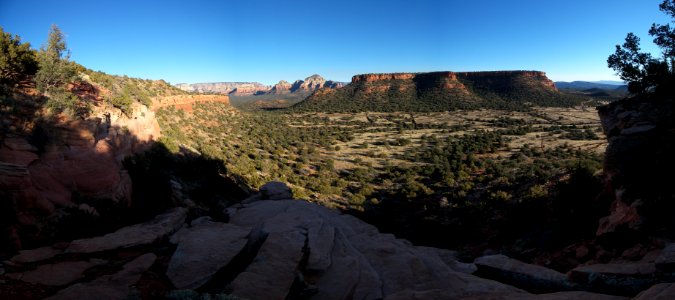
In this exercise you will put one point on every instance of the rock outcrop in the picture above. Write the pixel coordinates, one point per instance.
(58, 274)
(283, 87)
(112, 287)
(203, 250)
(141, 234)
(529, 277)
(639, 157)
(284, 248)
(618, 278)
(313, 83)
(41, 171)
(345, 258)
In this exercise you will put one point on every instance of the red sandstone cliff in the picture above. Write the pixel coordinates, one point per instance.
(185, 102)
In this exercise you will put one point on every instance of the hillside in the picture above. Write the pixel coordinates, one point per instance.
(440, 91)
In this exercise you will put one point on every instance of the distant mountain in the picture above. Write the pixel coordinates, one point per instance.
(243, 89)
(606, 89)
(612, 82)
(439, 91)
(237, 88)
(310, 84)
(583, 85)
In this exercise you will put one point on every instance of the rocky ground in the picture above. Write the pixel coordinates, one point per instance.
(274, 247)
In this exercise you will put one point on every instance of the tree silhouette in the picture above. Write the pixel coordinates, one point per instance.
(644, 73)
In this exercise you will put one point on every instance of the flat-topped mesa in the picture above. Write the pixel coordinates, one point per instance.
(452, 76)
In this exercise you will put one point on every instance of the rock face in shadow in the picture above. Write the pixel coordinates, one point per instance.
(112, 287)
(140, 234)
(638, 161)
(58, 274)
(42, 171)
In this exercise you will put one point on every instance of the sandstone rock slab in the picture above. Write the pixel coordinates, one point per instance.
(117, 286)
(350, 275)
(617, 278)
(526, 276)
(139, 234)
(58, 274)
(202, 251)
(34, 255)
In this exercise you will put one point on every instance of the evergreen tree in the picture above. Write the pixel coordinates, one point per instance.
(55, 69)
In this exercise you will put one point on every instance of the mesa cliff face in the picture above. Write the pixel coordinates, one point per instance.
(440, 91)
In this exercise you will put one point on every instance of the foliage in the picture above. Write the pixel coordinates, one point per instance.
(62, 100)
(16, 58)
(55, 70)
(643, 72)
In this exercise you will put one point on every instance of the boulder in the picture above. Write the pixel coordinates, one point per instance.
(57, 274)
(202, 251)
(135, 235)
(532, 278)
(275, 190)
(117, 286)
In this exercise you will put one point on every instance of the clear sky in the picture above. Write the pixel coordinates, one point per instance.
(207, 41)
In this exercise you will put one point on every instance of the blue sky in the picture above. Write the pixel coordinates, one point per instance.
(266, 41)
